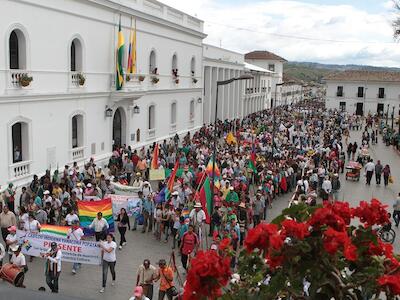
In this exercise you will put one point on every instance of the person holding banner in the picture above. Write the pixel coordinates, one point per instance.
(109, 259)
(123, 225)
(53, 266)
(75, 233)
(100, 226)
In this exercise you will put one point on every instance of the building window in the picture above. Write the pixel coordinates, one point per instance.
(381, 93)
(175, 65)
(173, 113)
(17, 142)
(342, 106)
(191, 110)
(152, 63)
(360, 92)
(271, 67)
(151, 117)
(17, 50)
(77, 131)
(339, 92)
(193, 67)
(76, 53)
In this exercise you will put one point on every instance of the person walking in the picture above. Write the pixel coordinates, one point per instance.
(9, 197)
(396, 210)
(369, 169)
(335, 187)
(100, 226)
(123, 225)
(189, 245)
(138, 294)
(7, 219)
(109, 259)
(75, 233)
(146, 274)
(378, 172)
(386, 174)
(53, 266)
(148, 211)
(166, 277)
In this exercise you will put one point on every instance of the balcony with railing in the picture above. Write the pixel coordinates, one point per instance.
(151, 134)
(77, 153)
(20, 170)
(339, 94)
(172, 128)
(77, 80)
(19, 79)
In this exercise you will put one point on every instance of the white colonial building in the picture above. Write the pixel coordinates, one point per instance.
(292, 90)
(239, 98)
(71, 111)
(274, 63)
(363, 92)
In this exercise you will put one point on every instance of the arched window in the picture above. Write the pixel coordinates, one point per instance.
(152, 110)
(173, 113)
(152, 63)
(175, 65)
(17, 50)
(76, 53)
(77, 131)
(191, 116)
(193, 67)
(20, 142)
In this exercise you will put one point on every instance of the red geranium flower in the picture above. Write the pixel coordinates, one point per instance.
(295, 229)
(225, 244)
(259, 237)
(342, 209)
(326, 216)
(373, 213)
(339, 240)
(208, 273)
(392, 282)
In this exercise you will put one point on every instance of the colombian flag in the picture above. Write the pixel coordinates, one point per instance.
(88, 211)
(131, 69)
(120, 56)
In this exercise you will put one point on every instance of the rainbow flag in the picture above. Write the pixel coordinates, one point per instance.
(60, 231)
(88, 211)
(209, 169)
(154, 161)
(185, 212)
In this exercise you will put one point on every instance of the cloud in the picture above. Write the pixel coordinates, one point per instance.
(299, 31)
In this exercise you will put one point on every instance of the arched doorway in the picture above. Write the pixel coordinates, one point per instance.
(119, 125)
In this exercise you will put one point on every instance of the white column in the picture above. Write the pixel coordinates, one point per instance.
(207, 95)
(213, 83)
(221, 95)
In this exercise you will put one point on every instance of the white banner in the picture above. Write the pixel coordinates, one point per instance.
(84, 252)
(130, 203)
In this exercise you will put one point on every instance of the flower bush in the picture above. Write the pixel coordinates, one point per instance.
(331, 251)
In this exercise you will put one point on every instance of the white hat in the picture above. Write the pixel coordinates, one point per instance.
(175, 193)
(46, 192)
(89, 185)
(231, 188)
(146, 182)
(71, 172)
(14, 247)
(197, 205)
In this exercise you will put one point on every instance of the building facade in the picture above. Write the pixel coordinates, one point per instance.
(274, 63)
(363, 92)
(58, 101)
(239, 98)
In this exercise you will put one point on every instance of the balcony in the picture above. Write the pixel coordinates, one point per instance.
(19, 79)
(77, 79)
(20, 170)
(358, 95)
(77, 153)
(172, 128)
(151, 134)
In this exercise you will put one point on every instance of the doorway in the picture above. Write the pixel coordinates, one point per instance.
(380, 109)
(118, 130)
(342, 106)
(360, 109)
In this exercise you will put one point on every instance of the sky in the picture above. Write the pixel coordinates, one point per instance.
(324, 31)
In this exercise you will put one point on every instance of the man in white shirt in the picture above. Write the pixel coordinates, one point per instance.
(197, 218)
(18, 260)
(326, 188)
(53, 266)
(100, 226)
(75, 233)
(71, 218)
(369, 169)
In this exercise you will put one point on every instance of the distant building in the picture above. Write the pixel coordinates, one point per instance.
(363, 92)
(239, 98)
(273, 63)
(292, 90)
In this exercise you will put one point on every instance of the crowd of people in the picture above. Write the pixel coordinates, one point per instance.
(299, 149)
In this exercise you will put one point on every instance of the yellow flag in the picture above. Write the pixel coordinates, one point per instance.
(230, 139)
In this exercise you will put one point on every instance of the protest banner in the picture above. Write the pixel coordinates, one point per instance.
(157, 174)
(84, 252)
(130, 203)
(121, 189)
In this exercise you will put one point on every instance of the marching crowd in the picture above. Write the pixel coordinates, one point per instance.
(299, 149)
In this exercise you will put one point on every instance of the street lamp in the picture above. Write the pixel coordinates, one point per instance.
(136, 109)
(220, 83)
(392, 116)
(387, 115)
(273, 114)
(108, 112)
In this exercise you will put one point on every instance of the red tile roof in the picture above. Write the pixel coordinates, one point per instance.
(353, 75)
(263, 55)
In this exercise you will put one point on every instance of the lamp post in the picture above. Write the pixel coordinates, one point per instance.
(392, 117)
(387, 115)
(273, 115)
(220, 83)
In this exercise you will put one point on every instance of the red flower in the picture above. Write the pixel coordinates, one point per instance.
(392, 282)
(275, 261)
(342, 209)
(225, 244)
(339, 240)
(208, 273)
(295, 229)
(373, 213)
(326, 216)
(259, 237)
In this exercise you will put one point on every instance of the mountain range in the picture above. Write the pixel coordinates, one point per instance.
(315, 72)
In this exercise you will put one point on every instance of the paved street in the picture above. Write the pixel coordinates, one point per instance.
(86, 283)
